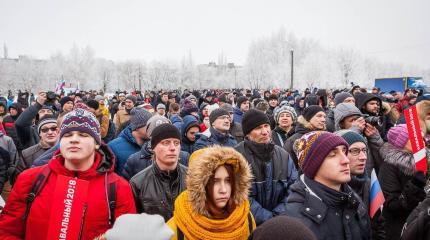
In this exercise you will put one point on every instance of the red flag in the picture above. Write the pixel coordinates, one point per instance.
(416, 138)
(69, 204)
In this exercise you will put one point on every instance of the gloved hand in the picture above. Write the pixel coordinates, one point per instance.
(139, 227)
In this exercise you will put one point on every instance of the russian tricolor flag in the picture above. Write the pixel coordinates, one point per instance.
(376, 197)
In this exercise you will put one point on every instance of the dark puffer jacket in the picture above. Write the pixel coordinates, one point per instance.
(143, 159)
(279, 136)
(402, 191)
(123, 146)
(328, 213)
(214, 138)
(155, 191)
(25, 129)
(417, 226)
(189, 121)
(273, 172)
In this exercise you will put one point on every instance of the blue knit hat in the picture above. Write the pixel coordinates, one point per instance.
(351, 137)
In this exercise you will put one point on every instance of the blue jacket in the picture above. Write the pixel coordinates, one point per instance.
(176, 121)
(274, 172)
(141, 160)
(123, 146)
(186, 144)
(237, 115)
(215, 138)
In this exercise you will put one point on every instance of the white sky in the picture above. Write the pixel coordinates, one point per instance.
(391, 30)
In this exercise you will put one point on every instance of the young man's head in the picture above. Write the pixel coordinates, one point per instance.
(190, 127)
(165, 97)
(79, 138)
(45, 110)
(344, 97)
(48, 130)
(166, 144)
(357, 151)
(220, 120)
(256, 126)
(161, 109)
(67, 104)
(93, 106)
(242, 103)
(273, 100)
(322, 157)
(138, 120)
(345, 114)
(130, 102)
(315, 116)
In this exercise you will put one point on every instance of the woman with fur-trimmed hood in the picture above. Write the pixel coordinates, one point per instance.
(312, 119)
(215, 204)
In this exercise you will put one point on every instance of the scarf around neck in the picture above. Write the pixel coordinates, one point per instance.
(197, 226)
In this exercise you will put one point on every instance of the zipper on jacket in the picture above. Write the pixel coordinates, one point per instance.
(82, 221)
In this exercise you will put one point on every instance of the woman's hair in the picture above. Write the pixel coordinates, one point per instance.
(210, 189)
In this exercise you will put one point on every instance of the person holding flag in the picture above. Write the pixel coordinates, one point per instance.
(76, 195)
(402, 185)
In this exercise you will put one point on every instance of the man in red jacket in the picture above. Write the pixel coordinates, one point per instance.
(83, 209)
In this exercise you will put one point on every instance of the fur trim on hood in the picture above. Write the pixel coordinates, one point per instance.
(202, 166)
(399, 158)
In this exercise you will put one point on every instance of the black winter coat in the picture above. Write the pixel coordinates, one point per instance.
(25, 129)
(401, 192)
(288, 145)
(417, 226)
(279, 136)
(155, 191)
(346, 219)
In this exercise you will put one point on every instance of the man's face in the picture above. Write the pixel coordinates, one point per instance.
(68, 106)
(167, 152)
(191, 133)
(375, 91)
(42, 112)
(273, 102)
(161, 111)
(222, 123)
(335, 168)
(302, 103)
(141, 134)
(348, 121)
(77, 146)
(244, 107)
(129, 104)
(318, 121)
(49, 133)
(372, 106)
(13, 111)
(357, 155)
(260, 134)
(164, 97)
(349, 100)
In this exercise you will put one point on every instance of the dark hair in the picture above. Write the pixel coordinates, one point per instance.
(210, 188)
(173, 107)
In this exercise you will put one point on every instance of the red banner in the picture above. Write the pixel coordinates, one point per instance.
(68, 208)
(416, 139)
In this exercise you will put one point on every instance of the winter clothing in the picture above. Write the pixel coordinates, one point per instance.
(351, 137)
(123, 146)
(8, 154)
(131, 98)
(189, 122)
(9, 126)
(312, 149)
(237, 115)
(216, 114)
(343, 111)
(398, 136)
(139, 118)
(160, 106)
(328, 213)
(252, 119)
(154, 122)
(191, 214)
(26, 131)
(95, 221)
(284, 108)
(214, 137)
(65, 100)
(240, 100)
(311, 111)
(82, 121)
(273, 172)
(155, 190)
(279, 136)
(121, 118)
(417, 226)
(162, 132)
(278, 228)
(401, 187)
(45, 120)
(104, 124)
(340, 97)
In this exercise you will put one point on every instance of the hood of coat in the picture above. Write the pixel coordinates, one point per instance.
(342, 111)
(104, 162)
(401, 159)
(202, 168)
(362, 98)
(188, 122)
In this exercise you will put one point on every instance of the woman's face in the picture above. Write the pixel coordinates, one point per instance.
(318, 121)
(222, 187)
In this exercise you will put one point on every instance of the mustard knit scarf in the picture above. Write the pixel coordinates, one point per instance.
(196, 226)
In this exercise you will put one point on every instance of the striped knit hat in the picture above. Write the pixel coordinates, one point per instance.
(82, 121)
(312, 148)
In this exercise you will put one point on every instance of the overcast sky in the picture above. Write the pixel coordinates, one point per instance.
(391, 30)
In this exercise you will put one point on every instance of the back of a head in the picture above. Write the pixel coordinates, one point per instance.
(283, 227)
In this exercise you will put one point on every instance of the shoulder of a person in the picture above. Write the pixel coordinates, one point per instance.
(137, 179)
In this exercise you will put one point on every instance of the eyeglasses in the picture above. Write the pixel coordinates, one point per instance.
(45, 130)
(356, 151)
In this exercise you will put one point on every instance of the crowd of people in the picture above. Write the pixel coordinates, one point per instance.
(213, 164)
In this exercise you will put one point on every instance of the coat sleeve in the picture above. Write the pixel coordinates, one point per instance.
(260, 214)
(104, 126)
(125, 199)
(23, 124)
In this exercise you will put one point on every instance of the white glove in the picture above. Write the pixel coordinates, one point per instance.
(139, 227)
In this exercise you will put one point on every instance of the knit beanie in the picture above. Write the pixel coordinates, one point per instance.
(312, 148)
(340, 97)
(82, 121)
(351, 137)
(284, 108)
(216, 113)
(132, 98)
(252, 119)
(93, 104)
(64, 100)
(154, 122)
(48, 118)
(398, 135)
(188, 108)
(241, 100)
(281, 227)
(227, 107)
(164, 131)
(99, 98)
(161, 106)
(311, 111)
(139, 118)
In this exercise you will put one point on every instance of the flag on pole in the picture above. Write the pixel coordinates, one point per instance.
(60, 86)
(416, 138)
(376, 196)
